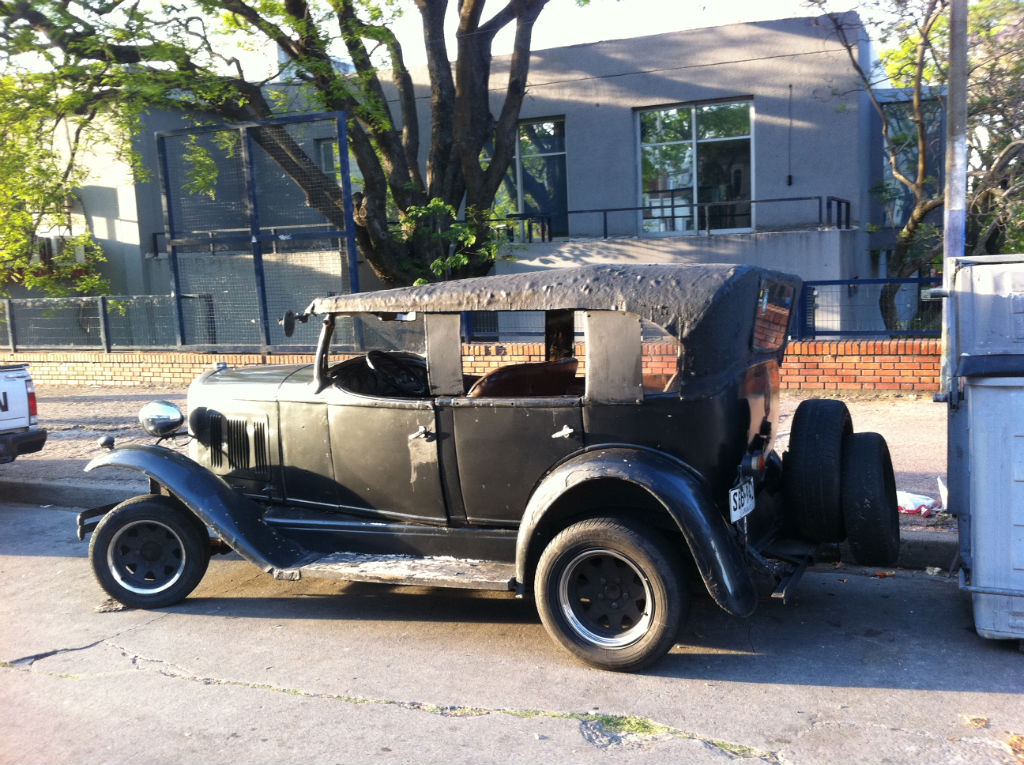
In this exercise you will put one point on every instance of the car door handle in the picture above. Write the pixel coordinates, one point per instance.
(565, 432)
(421, 432)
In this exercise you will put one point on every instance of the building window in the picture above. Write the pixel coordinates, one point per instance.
(535, 183)
(695, 167)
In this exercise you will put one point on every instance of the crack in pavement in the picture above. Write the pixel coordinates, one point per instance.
(602, 731)
(28, 661)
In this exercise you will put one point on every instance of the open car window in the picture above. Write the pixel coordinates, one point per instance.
(523, 354)
(661, 359)
(360, 333)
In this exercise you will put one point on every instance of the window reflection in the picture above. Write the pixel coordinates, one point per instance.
(693, 157)
(535, 184)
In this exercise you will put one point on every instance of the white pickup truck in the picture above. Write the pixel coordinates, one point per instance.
(19, 419)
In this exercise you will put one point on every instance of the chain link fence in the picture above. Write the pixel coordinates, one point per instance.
(828, 309)
(259, 220)
(869, 308)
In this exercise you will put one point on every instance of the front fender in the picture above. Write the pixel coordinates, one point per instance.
(720, 559)
(236, 519)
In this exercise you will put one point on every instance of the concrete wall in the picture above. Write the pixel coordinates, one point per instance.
(810, 128)
(124, 212)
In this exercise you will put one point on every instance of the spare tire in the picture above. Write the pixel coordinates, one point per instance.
(813, 476)
(870, 508)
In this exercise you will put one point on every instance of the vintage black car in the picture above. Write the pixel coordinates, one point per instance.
(631, 464)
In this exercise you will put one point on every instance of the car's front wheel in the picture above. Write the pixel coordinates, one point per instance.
(149, 552)
(612, 593)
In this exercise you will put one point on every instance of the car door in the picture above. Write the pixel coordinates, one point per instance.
(384, 453)
(505, 446)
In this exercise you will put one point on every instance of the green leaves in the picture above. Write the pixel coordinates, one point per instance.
(202, 176)
(461, 243)
(995, 109)
(121, 59)
(37, 181)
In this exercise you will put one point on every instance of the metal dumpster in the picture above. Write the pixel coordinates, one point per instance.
(986, 437)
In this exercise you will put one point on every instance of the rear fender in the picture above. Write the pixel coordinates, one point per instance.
(681, 494)
(236, 519)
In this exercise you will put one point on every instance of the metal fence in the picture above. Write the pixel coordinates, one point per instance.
(89, 323)
(255, 214)
(857, 308)
(679, 216)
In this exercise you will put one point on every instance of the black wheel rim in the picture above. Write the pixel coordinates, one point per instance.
(146, 557)
(606, 598)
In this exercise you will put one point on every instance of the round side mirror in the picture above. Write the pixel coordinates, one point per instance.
(161, 418)
(288, 322)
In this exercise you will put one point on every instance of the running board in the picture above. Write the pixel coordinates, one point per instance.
(411, 570)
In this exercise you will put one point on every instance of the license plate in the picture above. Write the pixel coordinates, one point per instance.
(741, 499)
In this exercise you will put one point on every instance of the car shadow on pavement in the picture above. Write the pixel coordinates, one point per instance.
(902, 632)
(357, 601)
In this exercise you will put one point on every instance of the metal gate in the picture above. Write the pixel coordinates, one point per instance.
(258, 220)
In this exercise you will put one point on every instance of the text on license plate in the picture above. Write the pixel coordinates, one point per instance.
(741, 499)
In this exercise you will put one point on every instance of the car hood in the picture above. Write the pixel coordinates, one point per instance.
(257, 382)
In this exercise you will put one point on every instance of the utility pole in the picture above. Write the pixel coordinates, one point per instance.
(955, 206)
(954, 227)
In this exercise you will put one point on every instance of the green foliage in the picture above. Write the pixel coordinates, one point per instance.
(120, 59)
(995, 109)
(202, 169)
(37, 182)
(461, 243)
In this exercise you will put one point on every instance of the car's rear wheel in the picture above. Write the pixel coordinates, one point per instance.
(870, 507)
(149, 552)
(611, 592)
(813, 477)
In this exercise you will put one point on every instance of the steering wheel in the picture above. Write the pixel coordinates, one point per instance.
(404, 376)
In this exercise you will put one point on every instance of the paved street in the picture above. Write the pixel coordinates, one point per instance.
(859, 668)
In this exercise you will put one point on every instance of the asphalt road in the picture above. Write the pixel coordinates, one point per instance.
(857, 669)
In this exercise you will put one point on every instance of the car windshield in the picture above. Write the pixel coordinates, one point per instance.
(360, 333)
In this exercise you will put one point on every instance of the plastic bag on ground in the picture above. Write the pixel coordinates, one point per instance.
(917, 504)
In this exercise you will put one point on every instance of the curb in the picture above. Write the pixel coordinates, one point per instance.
(928, 549)
(66, 494)
(918, 549)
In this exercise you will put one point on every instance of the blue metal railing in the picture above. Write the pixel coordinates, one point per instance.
(854, 308)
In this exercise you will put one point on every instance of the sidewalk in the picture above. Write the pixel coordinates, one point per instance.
(76, 416)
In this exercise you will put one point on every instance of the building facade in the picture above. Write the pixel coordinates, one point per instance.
(745, 143)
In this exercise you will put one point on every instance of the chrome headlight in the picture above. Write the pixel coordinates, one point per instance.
(161, 418)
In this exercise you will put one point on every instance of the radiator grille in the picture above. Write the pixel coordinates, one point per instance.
(240, 443)
(237, 443)
(216, 442)
(260, 452)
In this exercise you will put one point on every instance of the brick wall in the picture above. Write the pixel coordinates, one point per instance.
(893, 365)
(884, 365)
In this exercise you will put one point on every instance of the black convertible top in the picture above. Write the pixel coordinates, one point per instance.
(673, 296)
(711, 308)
